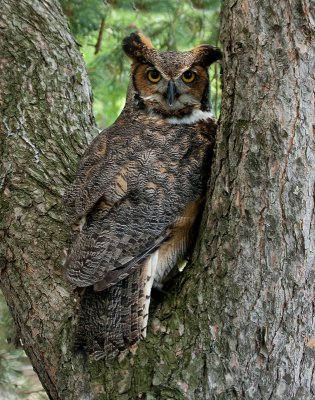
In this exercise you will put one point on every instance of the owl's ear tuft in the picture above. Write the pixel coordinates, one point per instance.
(137, 46)
(206, 55)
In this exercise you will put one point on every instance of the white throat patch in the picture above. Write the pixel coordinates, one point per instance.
(195, 116)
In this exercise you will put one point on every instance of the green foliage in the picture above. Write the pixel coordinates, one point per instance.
(171, 25)
(83, 16)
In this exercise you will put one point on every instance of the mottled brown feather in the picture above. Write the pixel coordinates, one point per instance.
(138, 195)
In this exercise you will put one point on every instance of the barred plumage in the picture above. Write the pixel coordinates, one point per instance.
(138, 193)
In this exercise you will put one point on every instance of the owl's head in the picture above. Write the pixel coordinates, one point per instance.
(169, 83)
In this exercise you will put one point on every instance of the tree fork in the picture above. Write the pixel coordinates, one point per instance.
(239, 323)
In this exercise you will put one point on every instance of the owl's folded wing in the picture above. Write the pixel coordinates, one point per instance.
(96, 175)
(113, 241)
(105, 257)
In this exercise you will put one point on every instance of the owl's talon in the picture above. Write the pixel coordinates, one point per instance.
(181, 265)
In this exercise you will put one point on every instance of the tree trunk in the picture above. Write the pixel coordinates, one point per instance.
(260, 213)
(46, 124)
(239, 322)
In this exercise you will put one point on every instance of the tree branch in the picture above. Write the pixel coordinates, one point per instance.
(98, 44)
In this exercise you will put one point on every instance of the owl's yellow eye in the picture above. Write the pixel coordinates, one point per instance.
(154, 76)
(188, 76)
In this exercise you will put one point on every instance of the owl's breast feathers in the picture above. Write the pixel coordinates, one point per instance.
(138, 193)
(132, 187)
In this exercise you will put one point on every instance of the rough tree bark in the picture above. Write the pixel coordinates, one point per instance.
(260, 215)
(46, 122)
(239, 322)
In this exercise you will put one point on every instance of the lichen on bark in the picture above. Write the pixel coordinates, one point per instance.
(239, 322)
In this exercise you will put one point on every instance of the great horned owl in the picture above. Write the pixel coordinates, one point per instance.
(139, 191)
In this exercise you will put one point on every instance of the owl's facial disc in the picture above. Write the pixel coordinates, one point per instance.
(167, 94)
(171, 92)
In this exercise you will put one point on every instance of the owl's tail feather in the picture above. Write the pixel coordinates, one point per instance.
(110, 321)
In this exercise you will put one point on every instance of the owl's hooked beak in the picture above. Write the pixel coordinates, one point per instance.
(171, 93)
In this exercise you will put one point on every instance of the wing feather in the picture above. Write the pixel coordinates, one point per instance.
(99, 179)
(113, 277)
(108, 250)
(111, 193)
(85, 266)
